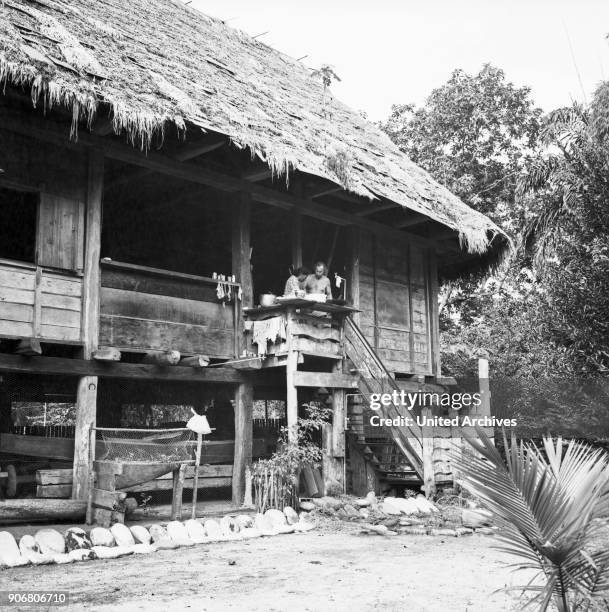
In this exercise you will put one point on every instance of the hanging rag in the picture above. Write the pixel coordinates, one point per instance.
(269, 330)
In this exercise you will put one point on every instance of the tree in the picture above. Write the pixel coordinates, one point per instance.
(473, 135)
(568, 229)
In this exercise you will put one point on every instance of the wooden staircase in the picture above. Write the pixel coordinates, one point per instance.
(395, 451)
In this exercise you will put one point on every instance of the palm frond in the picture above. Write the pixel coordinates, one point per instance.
(548, 504)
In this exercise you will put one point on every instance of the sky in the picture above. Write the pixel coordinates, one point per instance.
(393, 52)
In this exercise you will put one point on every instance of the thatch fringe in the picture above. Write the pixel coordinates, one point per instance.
(170, 66)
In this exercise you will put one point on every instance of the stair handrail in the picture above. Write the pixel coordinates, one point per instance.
(403, 441)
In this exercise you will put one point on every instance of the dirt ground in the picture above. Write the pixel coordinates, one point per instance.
(319, 570)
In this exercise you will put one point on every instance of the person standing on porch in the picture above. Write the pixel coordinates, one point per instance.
(319, 282)
(294, 286)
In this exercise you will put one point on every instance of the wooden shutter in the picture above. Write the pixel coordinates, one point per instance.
(60, 232)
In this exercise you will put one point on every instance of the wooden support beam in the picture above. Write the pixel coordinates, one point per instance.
(296, 239)
(86, 394)
(318, 193)
(414, 219)
(354, 277)
(51, 131)
(332, 467)
(48, 510)
(196, 149)
(244, 407)
(334, 380)
(260, 174)
(241, 266)
(244, 393)
(291, 388)
(181, 154)
(434, 320)
(178, 489)
(378, 207)
(79, 367)
(339, 411)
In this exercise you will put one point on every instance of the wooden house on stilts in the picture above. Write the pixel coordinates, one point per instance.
(160, 170)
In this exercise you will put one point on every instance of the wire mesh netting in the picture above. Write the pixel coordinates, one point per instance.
(147, 445)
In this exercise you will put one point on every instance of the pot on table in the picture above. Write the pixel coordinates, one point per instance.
(267, 299)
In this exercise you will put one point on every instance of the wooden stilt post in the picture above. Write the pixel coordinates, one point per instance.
(334, 442)
(178, 490)
(195, 483)
(244, 392)
(291, 389)
(354, 276)
(244, 405)
(86, 395)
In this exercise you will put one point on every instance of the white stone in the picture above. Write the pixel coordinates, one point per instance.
(244, 521)
(140, 534)
(276, 517)
(122, 535)
(178, 533)
(100, 536)
(196, 532)
(10, 554)
(50, 542)
(264, 524)
(27, 543)
(290, 515)
(214, 532)
(307, 506)
(111, 552)
(250, 532)
(284, 529)
(77, 539)
(29, 550)
(363, 502)
(229, 526)
(158, 532)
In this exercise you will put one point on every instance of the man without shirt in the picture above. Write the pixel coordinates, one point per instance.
(319, 282)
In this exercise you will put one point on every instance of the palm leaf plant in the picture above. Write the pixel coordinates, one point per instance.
(552, 505)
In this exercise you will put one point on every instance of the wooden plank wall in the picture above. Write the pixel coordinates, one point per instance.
(140, 312)
(394, 296)
(35, 302)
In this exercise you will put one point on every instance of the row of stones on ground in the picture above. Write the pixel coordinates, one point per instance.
(50, 546)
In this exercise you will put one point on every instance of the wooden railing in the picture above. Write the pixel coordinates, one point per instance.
(39, 302)
(146, 309)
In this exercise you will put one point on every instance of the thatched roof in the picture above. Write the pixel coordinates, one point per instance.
(159, 61)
